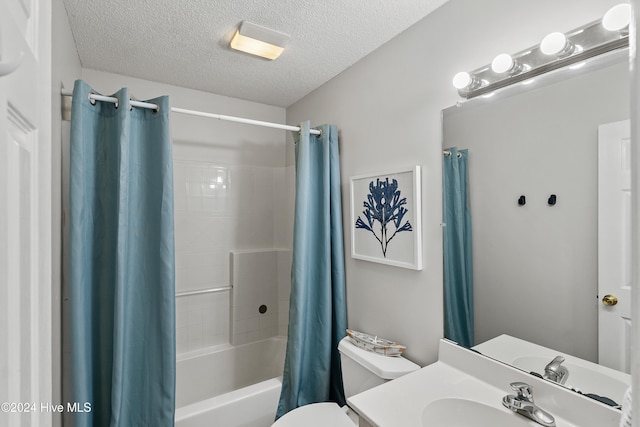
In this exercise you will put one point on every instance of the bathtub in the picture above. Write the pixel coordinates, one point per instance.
(230, 386)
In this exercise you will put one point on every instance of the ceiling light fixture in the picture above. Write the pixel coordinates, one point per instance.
(505, 63)
(556, 44)
(557, 50)
(502, 63)
(617, 18)
(258, 40)
(464, 80)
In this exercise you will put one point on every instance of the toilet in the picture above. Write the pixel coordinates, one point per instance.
(361, 370)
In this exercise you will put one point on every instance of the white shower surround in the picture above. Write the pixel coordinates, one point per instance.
(210, 224)
(232, 386)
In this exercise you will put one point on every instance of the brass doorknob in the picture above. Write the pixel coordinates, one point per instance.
(610, 300)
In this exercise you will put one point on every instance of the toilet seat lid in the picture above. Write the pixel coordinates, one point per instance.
(326, 414)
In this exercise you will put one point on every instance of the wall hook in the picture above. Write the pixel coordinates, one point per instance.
(552, 200)
(522, 200)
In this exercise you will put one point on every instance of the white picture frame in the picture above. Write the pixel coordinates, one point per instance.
(387, 231)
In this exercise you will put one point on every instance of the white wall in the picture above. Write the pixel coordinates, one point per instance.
(536, 266)
(387, 108)
(65, 70)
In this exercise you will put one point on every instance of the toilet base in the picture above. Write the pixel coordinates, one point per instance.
(326, 414)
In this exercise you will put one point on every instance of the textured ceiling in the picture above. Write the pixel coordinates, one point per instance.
(185, 42)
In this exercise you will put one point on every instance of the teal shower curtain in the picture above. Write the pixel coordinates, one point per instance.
(458, 262)
(122, 292)
(317, 308)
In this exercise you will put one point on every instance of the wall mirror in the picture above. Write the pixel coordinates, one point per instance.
(536, 258)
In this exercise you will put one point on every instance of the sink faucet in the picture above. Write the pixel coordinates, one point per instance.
(523, 405)
(555, 372)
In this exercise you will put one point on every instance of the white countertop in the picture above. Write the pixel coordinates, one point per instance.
(463, 374)
(402, 401)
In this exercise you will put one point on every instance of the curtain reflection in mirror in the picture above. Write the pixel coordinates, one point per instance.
(458, 265)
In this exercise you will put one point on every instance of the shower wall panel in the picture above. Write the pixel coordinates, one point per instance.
(220, 208)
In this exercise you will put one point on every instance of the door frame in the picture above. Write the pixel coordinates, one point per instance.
(26, 26)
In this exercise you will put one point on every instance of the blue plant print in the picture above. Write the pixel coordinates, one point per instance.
(383, 212)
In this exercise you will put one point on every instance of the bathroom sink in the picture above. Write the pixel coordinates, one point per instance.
(465, 389)
(454, 412)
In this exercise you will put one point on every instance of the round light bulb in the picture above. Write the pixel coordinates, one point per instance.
(462, 80)
(617, 18)
(553, 43)
(502, 63)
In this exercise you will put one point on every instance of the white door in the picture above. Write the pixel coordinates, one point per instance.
(614, 245)
(25, 212)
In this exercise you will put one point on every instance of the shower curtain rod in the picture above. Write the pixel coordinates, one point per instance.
(151, 106)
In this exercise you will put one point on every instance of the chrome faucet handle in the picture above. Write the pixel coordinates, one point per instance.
(555, 363)
(555, 371)
(523, 405)
(525, 391)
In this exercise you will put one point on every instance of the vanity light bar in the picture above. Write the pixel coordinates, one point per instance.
(585, 42)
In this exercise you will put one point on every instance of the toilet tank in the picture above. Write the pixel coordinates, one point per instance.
(362, 369)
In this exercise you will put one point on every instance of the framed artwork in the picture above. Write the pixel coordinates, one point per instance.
(385, 218)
